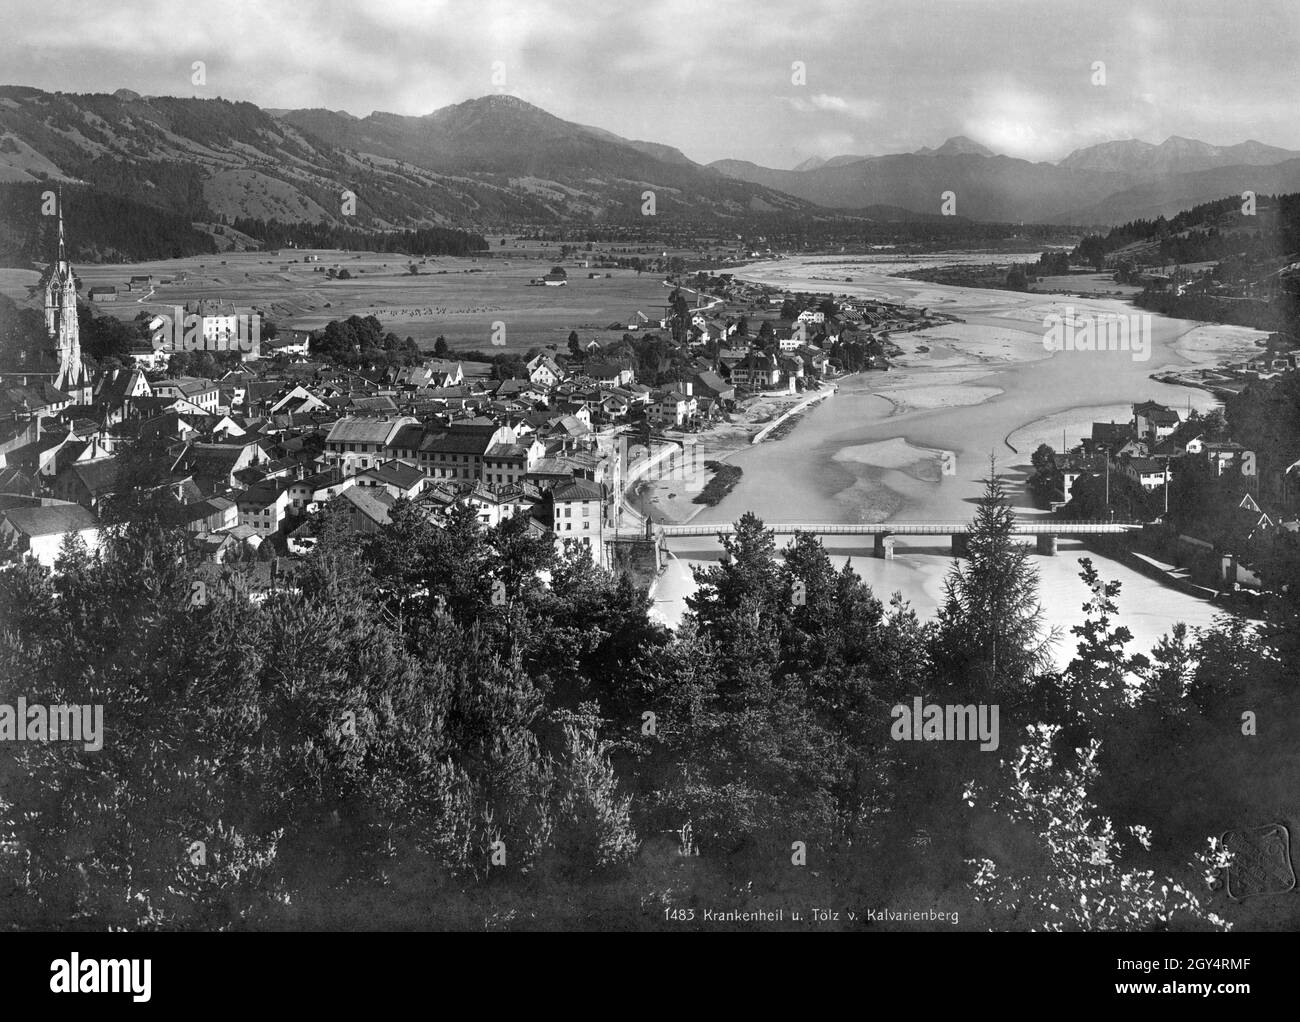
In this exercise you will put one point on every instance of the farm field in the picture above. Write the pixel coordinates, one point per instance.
(458, 298)
(1099, 284)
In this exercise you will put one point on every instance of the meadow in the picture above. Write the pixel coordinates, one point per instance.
(461, 299)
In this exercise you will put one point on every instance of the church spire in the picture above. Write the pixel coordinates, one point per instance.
(63, 255)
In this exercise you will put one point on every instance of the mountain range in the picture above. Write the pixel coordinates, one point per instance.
(1113, 182)
(498, 160)
(486, 161)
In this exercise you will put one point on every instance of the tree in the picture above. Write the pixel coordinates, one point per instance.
(1081, 883)
(440, 347)
(593, 820)
(575, 345)
(1094, 687)
(745, 580)
(1044, 457)
(991, 625)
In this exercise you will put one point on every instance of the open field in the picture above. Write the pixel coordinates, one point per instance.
(458, 298)
(1099, 284)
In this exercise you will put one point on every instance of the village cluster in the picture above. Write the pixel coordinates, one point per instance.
(254, 450)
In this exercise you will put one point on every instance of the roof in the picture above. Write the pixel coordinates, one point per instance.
(713, 382)
(205, 508)
(366, 431)
(1111, 430)
(507, 451)
(380, 403)
(50, 520)
(188, 385)
(115, 387)
(371, 502)
(550, 467)
(398, 473)
(408, 438)
(579, 489)
(264, 494)
(452, 443)
(603, 370)
(569, 424)
(501, 493)
(98, 476)
(507, 387)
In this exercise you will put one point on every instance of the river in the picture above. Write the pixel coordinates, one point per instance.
(875, 451)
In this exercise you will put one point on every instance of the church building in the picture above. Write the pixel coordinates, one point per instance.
(55, 368)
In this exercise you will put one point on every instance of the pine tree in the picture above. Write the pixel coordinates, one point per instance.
(991, 633)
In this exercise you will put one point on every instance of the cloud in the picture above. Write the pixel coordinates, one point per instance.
(713, 80)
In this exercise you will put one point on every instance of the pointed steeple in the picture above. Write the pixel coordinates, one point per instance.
(63, 254)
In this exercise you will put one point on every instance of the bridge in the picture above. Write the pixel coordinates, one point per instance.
(1045, 530)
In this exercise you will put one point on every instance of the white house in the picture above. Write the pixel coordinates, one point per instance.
(579, 517)
(1149, 473)
(544, 371)
(263, 507)
(494, 503)
(203, 394)
(672, 408)
(40, 531)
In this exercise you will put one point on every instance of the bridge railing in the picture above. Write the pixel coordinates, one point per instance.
(1023, 527)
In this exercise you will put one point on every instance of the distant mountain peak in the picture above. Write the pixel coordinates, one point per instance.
(958, 145)
(812, 163)
(501, 101)
(1176, 154)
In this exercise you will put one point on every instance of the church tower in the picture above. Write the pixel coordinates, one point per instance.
(62, 356)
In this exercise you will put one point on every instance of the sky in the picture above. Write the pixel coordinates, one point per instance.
(762, 80)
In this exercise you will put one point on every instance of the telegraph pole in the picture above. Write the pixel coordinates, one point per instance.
(1106, 454)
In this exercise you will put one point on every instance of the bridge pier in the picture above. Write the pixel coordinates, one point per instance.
(884, 546)
(1047, 544)
(961, 544)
